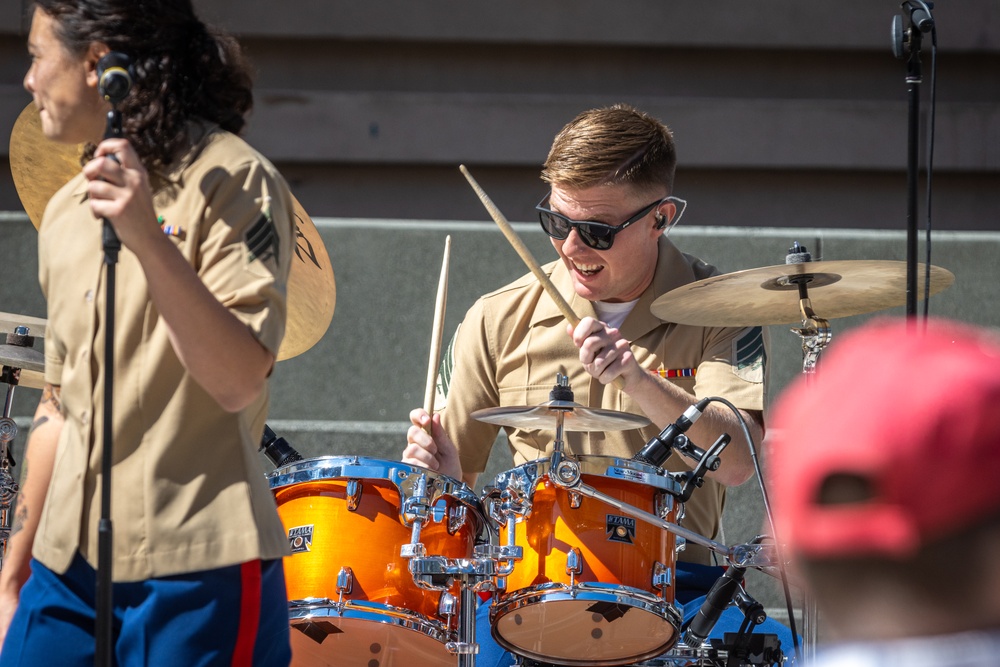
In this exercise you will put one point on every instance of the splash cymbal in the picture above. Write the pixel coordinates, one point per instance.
(769, 295)
(576, 417)
(40, 167)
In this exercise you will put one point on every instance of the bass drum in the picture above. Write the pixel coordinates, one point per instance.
(352, 599)
(595, 585)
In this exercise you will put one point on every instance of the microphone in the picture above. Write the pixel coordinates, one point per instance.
(277, 449)
(718, 598)
(657, 450)
(114, 76)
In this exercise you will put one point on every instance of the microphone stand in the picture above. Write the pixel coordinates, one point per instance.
(105, 531)
(908, 45)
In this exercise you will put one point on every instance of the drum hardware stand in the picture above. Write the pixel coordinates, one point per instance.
(9, 487)
(815, 332)
(439, 573)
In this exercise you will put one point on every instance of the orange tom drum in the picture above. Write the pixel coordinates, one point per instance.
(595, 585)
(352, 599)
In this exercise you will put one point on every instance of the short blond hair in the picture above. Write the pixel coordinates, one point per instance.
(616, 145)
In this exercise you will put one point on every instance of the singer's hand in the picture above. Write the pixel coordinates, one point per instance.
(604, 353)
(119, 191)
(435, 451)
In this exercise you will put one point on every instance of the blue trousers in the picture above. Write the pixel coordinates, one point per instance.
(692, 583)
(235, 615)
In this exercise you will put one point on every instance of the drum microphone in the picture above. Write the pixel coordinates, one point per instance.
(114, 76)
(277, 450)
(657, 450)
(718, 598)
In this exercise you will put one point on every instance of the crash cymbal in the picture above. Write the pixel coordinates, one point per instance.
(576, 417)
(40, 167)
(768, 295)
(26, 358)
(312, 292)
(36, 325)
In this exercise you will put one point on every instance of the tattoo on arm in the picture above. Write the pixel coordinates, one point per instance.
(51, 395)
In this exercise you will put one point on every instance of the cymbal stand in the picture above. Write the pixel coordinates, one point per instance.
(8, 432)
(815, 332)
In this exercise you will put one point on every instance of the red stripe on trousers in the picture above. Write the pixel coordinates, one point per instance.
(250, 578)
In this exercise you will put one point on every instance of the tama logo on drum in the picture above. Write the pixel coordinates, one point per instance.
(620, 528)
(300, 538)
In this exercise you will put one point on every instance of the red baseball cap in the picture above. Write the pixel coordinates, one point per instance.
(914, 413)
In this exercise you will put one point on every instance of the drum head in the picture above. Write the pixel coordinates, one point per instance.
(575, 631)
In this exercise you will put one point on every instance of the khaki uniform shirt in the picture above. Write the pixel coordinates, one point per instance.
(513, 342)
(188, 492)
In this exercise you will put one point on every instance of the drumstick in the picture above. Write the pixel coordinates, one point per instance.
(439, 307)
(528, 258)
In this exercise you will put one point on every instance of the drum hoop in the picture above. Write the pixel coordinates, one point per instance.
(304, 611)
(611, 467)
(401, 475)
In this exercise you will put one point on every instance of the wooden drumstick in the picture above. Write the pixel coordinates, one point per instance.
(528, 258)
(439, 308)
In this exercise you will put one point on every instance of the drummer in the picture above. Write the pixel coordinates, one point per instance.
(207, 235)
(610, 204)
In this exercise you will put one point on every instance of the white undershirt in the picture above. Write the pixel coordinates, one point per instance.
(614, 314)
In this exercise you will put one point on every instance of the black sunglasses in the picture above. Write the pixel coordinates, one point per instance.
(596, 235)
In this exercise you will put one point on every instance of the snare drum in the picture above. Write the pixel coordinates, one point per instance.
(352, 599)
(595, 585)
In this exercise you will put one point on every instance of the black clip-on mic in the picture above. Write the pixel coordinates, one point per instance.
(657, 450)
(719, 597)
(276, 449)
(114, 81)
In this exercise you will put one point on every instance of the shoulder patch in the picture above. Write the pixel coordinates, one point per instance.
(445, 371)
(749, 355)
(261, 238)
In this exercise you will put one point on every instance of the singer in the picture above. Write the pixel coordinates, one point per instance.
(206, 231)
(609, 206)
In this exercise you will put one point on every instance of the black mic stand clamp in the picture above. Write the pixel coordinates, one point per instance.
(708, 461)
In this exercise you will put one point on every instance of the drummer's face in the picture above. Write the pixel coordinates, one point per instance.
(624, 270)
(63, 85)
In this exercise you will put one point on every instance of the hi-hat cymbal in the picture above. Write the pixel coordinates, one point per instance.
(25, 358)
(40, 167)
(576, 417)
(9, 321)
(769, 295)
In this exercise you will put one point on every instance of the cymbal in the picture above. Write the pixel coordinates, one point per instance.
(41, 166)
(576, 417)
(25, 358)
(36, 325)
(767, 295)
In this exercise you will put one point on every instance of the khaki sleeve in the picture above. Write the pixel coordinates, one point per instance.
(735, 366)
(473, 387)
(246, 245)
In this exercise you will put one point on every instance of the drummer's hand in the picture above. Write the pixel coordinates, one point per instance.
(604, 353)
(438, 452)
(119, 191)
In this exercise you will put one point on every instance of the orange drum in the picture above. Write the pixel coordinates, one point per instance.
(352, 599)
(595, 585)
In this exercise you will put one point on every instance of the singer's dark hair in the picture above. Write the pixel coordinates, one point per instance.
(183, 69)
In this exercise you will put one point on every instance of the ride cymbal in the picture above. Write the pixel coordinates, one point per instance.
(576, 417)
(25, 358)
(40, 167)
(769, 295)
